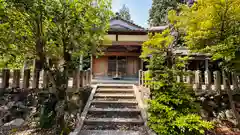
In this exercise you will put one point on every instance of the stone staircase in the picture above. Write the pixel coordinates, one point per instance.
(113, 110)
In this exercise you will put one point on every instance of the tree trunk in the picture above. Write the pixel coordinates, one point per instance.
(230, 96)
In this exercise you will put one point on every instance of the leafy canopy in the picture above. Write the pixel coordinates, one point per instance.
(211, 26)
(159, 11)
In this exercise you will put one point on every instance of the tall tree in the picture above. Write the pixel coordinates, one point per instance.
(159, 10)
(213, 26)
(60, 30)
(124, 13)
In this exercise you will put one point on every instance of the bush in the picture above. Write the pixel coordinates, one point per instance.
(173, 107)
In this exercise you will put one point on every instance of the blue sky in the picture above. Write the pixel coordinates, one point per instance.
(139, 9)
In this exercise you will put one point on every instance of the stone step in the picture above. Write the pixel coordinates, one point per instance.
(113, 110)
(114, 126)
(112, 120)
(110, 90)
(108, 114)
(119, 86)
(109, 132)
(113, 99)
(114, 102)
(113, 95)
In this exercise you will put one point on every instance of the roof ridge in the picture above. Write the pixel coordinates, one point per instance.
(120, 18)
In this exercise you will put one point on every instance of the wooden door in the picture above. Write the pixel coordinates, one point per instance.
(132, 66)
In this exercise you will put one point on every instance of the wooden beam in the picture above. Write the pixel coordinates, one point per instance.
(121, 54)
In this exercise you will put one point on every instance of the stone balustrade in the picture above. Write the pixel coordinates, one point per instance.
(210, 81)
(28, 79)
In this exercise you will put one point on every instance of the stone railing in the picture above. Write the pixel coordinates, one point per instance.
(211, 81)
(27, 80)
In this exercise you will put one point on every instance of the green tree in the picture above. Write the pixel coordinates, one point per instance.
(159, 11)
(59, 30)
(124, 13)
(213, 26)
(172, 108)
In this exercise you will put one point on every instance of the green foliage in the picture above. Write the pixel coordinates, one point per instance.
(210, 26)
(159, 11)
(173, 109)
(124, 13)
(60, 30)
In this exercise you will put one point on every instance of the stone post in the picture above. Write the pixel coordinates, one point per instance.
(139, 77)
(16, 78)
(76, 79)
(5, 78)
(217, 81)
(208, 80)
(45, 79)
(81, 78)
(26, 79)
(35, 78)
(87, 77)
(189, 78)
(198, 80)
(234, 81)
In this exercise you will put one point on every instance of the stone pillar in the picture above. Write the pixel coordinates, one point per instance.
(189, 78)
(217, 81)
(87, 77)
(139, 77)
(76, 79)
(142, 77)
(178, 78)
(198, 80)
(45, 79)
(5, 78)
(208, 81)
(26, 79)
(81, 78)
(16, 78)
(206, 64)
(224, 81)
(35, 78)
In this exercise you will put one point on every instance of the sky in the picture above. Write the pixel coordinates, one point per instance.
(139, 10)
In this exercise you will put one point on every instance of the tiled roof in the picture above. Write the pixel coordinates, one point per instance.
(129, 22)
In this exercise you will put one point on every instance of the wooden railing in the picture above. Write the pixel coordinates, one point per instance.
(211, 81)
(27, 80)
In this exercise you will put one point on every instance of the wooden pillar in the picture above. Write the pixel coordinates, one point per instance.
(234, 81)
(217, 81)
(16, 78)
(26, 79)
(5, 78)
(198, 80)
(208, 81)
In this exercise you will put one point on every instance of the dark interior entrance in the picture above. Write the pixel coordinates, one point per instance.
(117, 66)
